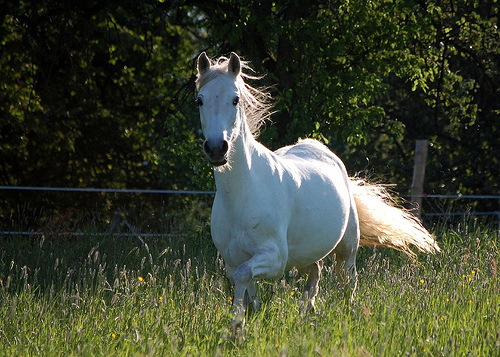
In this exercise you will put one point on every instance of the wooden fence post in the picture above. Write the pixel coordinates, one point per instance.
(417, 186)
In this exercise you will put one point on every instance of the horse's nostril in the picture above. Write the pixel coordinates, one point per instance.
(206, 147)
(225, 147)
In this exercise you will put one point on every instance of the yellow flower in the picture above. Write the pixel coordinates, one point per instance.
(422, 281)
(161, 298)
(473, 272)
(113, 335)
(291, 293)
(447, 300)
(141, 279)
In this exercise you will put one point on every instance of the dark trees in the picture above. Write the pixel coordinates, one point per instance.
(98, 94)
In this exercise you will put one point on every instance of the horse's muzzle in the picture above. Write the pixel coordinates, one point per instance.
(216, 153)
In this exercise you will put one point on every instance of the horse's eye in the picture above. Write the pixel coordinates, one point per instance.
(236, 100)
(198, 101)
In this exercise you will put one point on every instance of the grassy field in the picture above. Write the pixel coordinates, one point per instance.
(110, 296)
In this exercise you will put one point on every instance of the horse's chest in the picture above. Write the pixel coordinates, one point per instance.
(235, 246)
(239, 234)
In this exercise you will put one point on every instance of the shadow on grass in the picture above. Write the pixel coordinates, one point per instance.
(56, 263)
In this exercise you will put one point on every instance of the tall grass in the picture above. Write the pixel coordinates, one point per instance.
(111, 296)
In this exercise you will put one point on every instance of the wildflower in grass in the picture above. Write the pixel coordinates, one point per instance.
(470, 276)
(291, 293)
(113, 335)
(161, 298)
(447, 300)
(141, 279)
(422, 281)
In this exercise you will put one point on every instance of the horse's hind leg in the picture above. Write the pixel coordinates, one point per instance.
(345, 266)
(311, 289)
(345, 257)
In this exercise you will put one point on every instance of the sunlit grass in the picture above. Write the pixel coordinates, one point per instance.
(111, 296)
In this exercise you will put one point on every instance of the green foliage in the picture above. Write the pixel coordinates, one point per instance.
(99, 94)
(96, 296)
(90, 93)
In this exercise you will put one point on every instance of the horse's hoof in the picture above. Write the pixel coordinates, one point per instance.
(306, 307)
(237, 327)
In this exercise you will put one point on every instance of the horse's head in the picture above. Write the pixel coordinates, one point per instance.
(218, 99)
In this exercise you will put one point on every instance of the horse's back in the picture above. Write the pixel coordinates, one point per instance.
(310, 150)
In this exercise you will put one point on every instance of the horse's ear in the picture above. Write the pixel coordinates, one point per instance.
(234, 66)
(203, 63)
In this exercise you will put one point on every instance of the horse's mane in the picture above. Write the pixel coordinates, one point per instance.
(256, 102)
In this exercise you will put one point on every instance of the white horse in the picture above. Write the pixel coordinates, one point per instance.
(290, 208)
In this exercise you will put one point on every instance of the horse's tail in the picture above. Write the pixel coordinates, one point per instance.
(382, 223)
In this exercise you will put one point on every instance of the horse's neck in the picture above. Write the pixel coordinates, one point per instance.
(236, 175)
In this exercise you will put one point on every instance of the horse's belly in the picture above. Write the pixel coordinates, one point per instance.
(317, 225)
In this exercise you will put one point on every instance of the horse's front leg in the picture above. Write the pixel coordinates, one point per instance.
(239, 305)
(253, 298)
(311, 289)
(267, 263)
